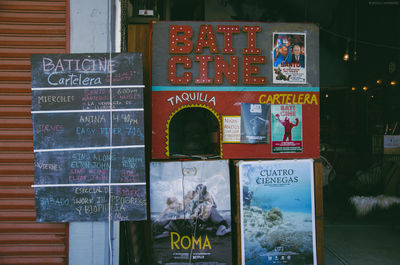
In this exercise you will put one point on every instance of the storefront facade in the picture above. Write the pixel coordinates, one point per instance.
(69, 26)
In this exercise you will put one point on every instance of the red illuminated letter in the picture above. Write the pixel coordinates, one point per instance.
(231, 73)
(251, 40)
(206, 39)
(203, 60)
(179, 80)
(228, 30)
(249, 70)
(179, 39)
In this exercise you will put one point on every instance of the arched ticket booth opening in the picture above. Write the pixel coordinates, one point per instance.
(194, 131)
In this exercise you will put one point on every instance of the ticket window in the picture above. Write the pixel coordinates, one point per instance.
(194, 132)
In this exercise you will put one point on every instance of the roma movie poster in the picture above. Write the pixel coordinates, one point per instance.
(289, 58)
(277, 212)
(254, 123)
(190, 209)
(286, 129)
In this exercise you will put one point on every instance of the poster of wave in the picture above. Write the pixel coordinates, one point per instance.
(277, 212)
(289, 58)
(286, 129)
(190, 209)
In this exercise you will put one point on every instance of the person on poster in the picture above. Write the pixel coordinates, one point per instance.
(205, 208)
(164, 222)
(171, 211)
(199, 204)
(297, 57)
(282, 53)
(288, 127)
(247, 196)
(259, 125)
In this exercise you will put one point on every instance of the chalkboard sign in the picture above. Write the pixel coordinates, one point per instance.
(68, 130)
(88, 128)
(86, 70)
(88, 203)
(87, 98)
(90, 166)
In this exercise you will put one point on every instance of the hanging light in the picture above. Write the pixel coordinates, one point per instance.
(326, 95)
(379, 81)
(346, 56)
(353, 88)
(393, 82)
(365, 88)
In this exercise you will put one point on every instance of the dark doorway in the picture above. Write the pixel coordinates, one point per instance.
(194, 132)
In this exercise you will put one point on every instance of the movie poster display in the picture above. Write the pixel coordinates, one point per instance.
(202, 73)
(191, 212)
(277, 212)
(255, 123)
(289, 58)
(286, 129)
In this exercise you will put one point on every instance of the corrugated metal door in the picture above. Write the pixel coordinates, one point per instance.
(26, 27)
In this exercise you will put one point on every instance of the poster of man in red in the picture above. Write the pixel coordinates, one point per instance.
(287, 131)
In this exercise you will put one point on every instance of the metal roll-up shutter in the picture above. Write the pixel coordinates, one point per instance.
(26, 27)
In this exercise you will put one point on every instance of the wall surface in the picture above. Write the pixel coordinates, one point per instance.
(91, 32)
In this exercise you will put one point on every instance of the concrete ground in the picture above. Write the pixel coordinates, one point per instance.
(373, 239)
(364, 244)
